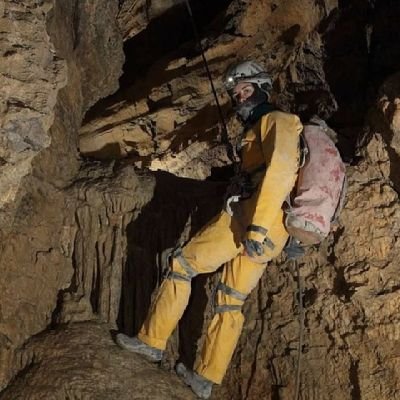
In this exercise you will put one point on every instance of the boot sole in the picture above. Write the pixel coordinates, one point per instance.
(120, 342)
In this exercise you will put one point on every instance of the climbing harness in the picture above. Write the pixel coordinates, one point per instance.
(224, 134)
(229, 204)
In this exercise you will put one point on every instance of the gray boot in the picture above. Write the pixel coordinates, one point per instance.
(135, 345)
(201, 386)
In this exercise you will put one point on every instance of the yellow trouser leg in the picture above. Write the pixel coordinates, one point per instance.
(212, 247)
(241, 274)
(167, 309)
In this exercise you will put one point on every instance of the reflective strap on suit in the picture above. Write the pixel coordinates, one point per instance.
(177, 276)
(227, 308)
(231, 292)
(177, 254)
(257, 228)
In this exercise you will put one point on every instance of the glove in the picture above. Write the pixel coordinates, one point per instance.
(253, 248)
(255, 239)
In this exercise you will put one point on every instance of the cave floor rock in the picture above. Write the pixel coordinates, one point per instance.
(81, 361)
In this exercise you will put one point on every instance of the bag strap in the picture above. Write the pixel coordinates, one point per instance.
(304, 151)
(342, 198)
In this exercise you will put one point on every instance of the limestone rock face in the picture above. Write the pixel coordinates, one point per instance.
(388, 115)
(66, 264)
(86, 227)
(46, 47)
(134, 16)
(173, 109)
(83, 362)
(54, 67)
(32, 75)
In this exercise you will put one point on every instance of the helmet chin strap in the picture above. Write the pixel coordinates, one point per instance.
(244, 110)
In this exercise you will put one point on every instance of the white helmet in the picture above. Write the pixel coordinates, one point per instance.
(247, 71)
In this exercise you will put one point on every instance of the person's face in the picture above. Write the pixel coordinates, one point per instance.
(242, 91)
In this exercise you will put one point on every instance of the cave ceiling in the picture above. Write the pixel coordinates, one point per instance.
(164, 116)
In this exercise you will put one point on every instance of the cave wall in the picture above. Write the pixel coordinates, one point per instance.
(84, 239)
(29, 63)
(54, 67)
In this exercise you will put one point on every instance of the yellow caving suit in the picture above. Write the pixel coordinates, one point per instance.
(273, 141)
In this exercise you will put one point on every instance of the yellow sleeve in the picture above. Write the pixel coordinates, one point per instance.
(280, 146)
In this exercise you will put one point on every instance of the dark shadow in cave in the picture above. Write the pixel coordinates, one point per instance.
(168, 32)
(346, 71)
(379, 124)
(168, 36)
(361, 43)
(157, 229)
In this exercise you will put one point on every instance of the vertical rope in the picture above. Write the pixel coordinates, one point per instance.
(225, 135)
(301, 327)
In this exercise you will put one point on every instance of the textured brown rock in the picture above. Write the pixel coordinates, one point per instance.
(87, 240)
(97, 246)
(387, 120)
(81, 361)
(134, 15)
(29, 63)
(53, 70)
(66, 263)
(47, 47)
